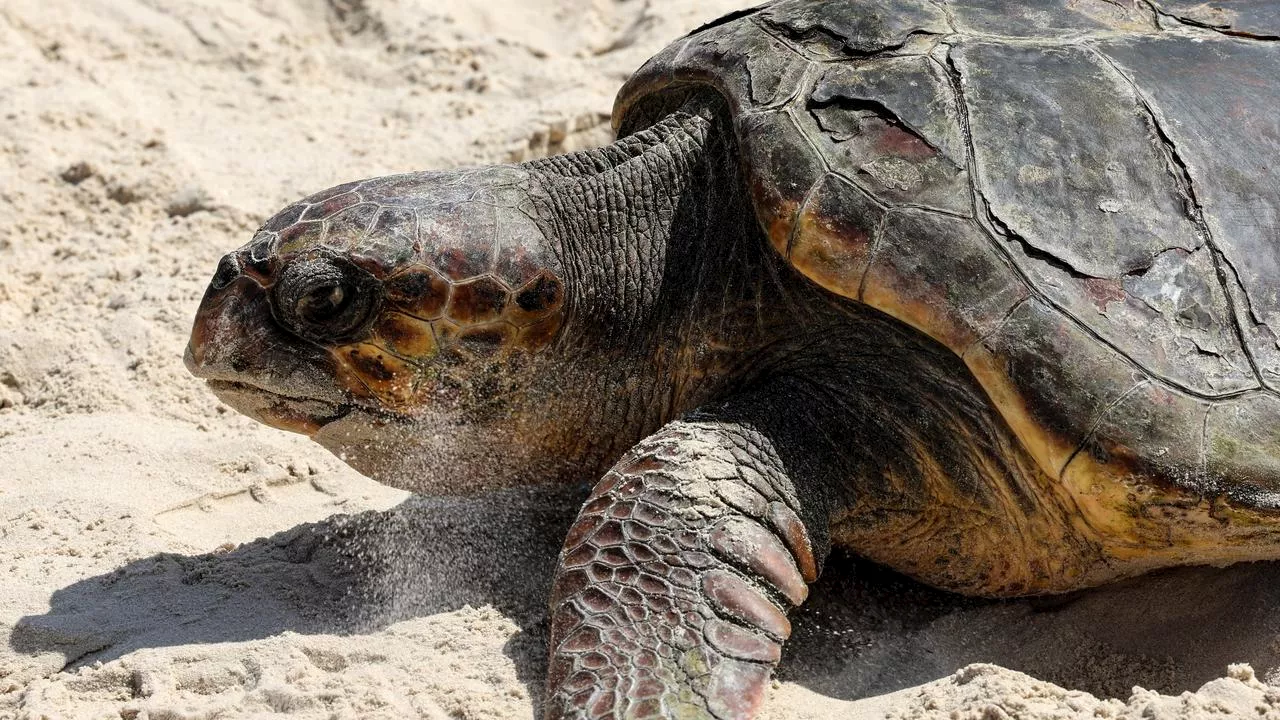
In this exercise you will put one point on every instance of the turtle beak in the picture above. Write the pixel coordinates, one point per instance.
(252, 364)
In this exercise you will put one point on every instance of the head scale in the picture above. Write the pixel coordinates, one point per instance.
(408, 301)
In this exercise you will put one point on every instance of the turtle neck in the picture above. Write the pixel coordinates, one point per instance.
(666, 267)
(626, 217)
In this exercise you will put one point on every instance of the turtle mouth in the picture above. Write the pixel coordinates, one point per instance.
(296, 414)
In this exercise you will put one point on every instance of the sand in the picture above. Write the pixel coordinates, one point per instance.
(161, 557)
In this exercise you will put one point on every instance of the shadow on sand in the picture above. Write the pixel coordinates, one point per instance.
(865, 630)
(343, 575)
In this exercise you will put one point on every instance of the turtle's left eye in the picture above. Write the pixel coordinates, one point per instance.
(323, 303)
(325, 299)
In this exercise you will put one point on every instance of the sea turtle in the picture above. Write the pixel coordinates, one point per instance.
(984, 290)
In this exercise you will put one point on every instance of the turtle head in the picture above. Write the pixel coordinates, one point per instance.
(406, 323)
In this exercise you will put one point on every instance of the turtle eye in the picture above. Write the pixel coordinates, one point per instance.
(325, 299)
(322, 304)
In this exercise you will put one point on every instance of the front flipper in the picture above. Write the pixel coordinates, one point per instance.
(671, 595)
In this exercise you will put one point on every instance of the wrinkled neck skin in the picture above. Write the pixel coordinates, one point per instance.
(674, 298)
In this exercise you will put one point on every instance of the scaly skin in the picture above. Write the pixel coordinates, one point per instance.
(673, 584)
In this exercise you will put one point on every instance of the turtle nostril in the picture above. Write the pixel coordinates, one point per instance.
(228, 270)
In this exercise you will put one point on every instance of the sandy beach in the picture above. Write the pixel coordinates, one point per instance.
(163, 557)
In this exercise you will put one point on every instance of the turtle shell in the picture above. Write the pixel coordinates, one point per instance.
(1080, 198)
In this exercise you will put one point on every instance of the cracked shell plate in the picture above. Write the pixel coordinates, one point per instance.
(1090, 200)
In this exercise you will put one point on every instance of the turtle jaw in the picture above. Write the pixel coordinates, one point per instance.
(306, 416)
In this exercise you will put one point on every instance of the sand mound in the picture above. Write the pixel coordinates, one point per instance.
(164, 558)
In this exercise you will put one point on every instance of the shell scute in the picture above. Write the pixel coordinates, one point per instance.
(1049, 379)
(1221, 454)
(891, 125)
(1215, 102)
(1242, 447)
(1068, 160)
(1120, 277)
(834, 235)
(915, 89)
(656, 75)
(1100, 221)
(751, 67)
(942, 276)
(1258, 18)
(1152, 432)
(780, 172)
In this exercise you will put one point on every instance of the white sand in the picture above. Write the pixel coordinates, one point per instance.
(163, 558)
